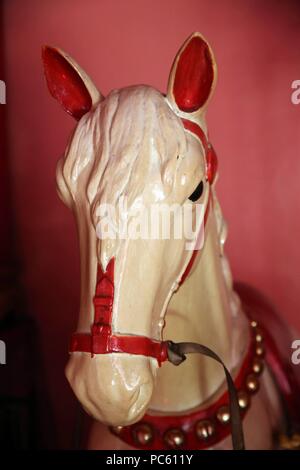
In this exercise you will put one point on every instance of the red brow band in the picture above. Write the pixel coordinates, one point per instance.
(196, 129)
(210, 154)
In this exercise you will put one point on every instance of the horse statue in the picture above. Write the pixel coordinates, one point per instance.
(153, 149)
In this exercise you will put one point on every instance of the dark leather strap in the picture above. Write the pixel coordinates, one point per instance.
(176, 355)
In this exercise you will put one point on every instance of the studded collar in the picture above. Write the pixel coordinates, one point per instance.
(205, 427)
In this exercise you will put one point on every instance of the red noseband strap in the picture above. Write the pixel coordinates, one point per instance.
(101, 341)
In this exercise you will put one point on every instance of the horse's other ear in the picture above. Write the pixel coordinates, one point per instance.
(68, 83)
(193, 76)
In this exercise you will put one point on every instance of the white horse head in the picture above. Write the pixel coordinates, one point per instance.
(134, 144)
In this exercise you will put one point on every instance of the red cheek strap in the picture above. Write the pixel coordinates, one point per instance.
(211, 171)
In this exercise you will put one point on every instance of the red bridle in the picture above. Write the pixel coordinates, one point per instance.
(101, 339)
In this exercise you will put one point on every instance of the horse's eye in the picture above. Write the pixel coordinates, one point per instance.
(197, 193)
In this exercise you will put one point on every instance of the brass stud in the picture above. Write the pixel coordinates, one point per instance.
(142, 434)
(244, 399)
(204, 429)
(223, 414)
(174, 438)
(252, 383)
(260, 350)
(253, 324)
(259, 336)
(257, 366)
(117, 429)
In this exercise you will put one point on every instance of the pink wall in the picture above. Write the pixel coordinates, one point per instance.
(253, 125)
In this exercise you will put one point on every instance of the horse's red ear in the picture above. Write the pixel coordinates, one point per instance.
(193, 75)
(68, 83)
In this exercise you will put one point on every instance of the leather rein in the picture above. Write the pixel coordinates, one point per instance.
(101, 339)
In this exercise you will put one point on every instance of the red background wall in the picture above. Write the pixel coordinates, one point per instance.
(253, 125)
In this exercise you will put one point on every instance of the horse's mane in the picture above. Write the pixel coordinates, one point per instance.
(127, 143)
